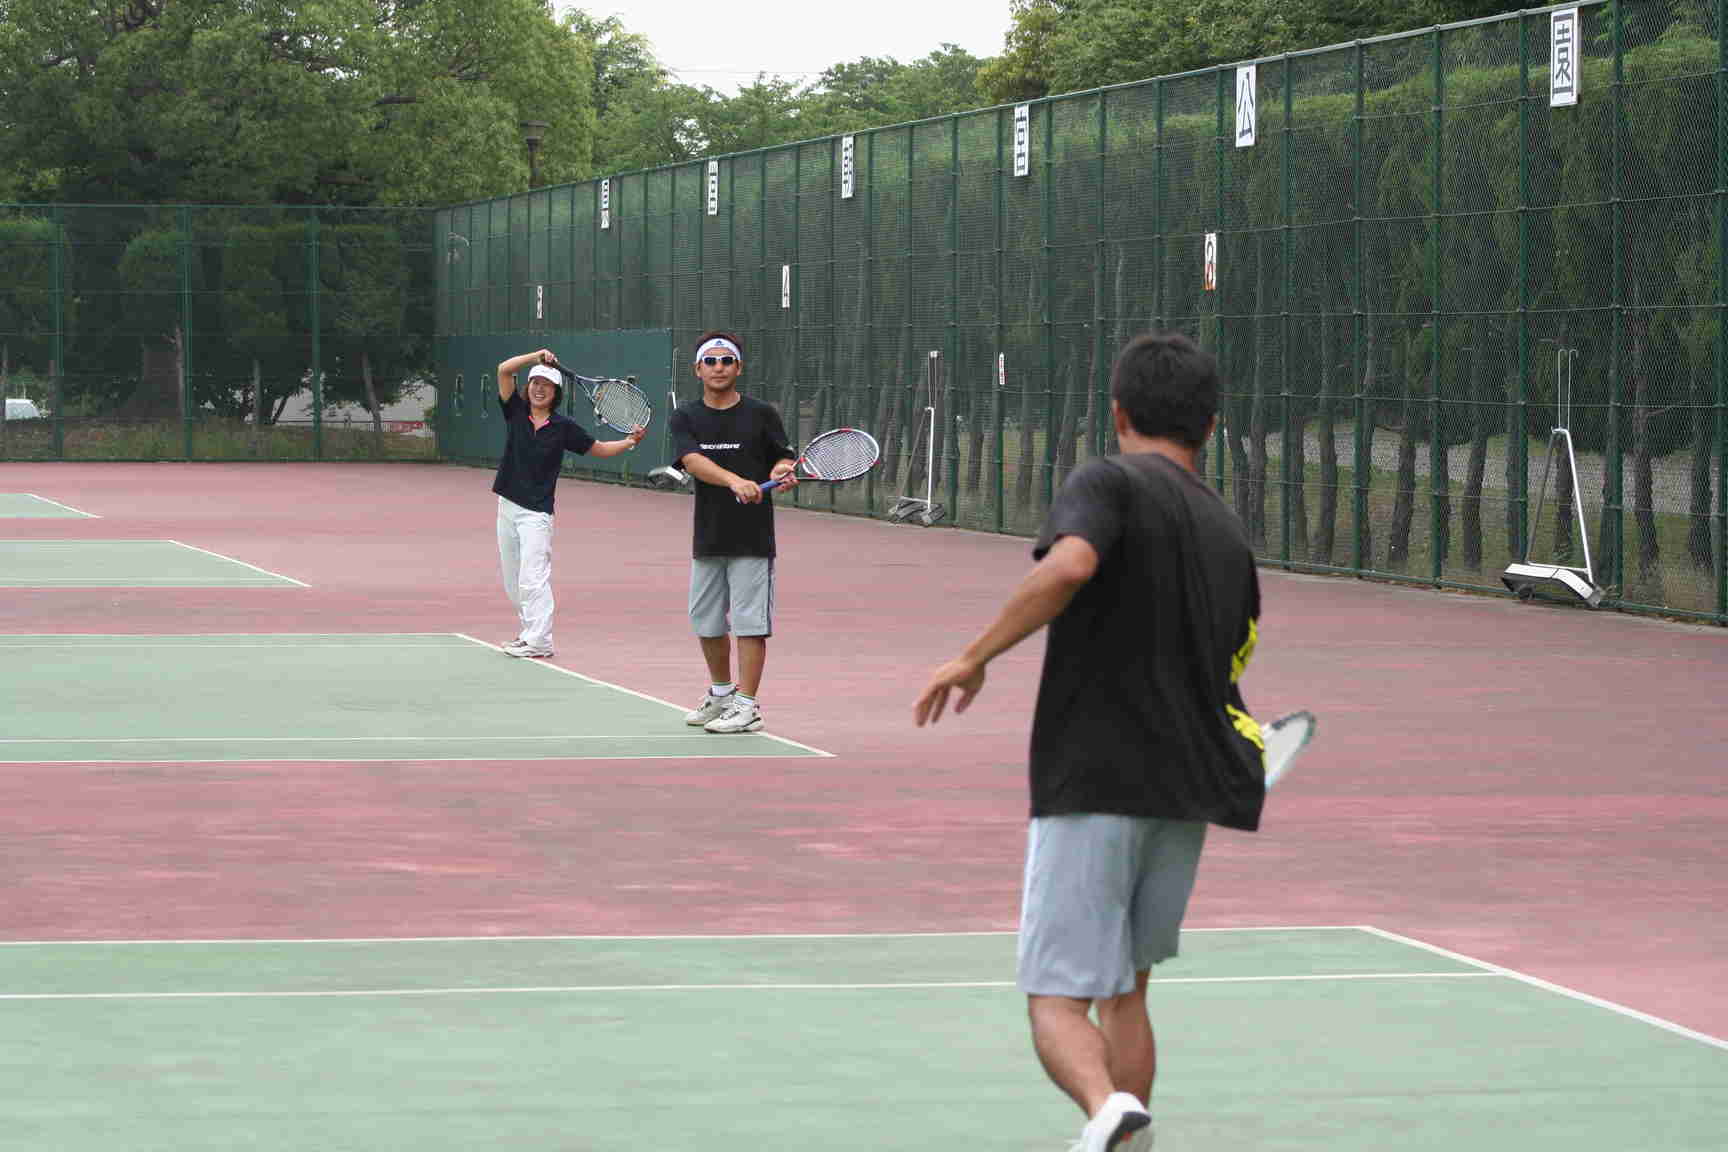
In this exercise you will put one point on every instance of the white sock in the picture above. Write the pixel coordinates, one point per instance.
(720, 690)
(747, 701)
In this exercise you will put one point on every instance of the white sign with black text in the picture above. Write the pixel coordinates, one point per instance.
(605, 204)
(847, 170)
(1563, 73)
(1245, 111)
(713, 187)
(1022, 139)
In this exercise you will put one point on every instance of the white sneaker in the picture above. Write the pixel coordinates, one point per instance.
(740, 717)
(712, 708)
(1122, 1125)
(523, 650)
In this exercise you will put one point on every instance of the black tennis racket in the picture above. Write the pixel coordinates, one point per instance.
(618, 404)
(841, 454)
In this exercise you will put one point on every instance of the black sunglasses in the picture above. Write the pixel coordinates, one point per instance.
(726, 361)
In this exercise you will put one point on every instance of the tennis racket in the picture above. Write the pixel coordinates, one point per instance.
(1284, 739)
(618, 404)
(841, 454)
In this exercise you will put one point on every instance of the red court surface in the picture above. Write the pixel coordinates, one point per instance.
(1538, 787)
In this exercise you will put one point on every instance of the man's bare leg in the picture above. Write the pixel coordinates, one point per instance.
(1073, 1050)
(1128, 1038)
(717, 651)
(752, 657)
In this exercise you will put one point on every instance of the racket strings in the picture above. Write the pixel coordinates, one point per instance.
(622, 406)
(841, 455)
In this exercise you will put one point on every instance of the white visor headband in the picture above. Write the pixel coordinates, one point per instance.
(718, 344)
(542, 372)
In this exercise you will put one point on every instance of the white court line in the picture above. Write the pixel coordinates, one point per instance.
(694, 736)
(571, 989)
(242, 563)
(1549, 986)
(140, 581)
(57, 504)
(645, 696)
(711, 937)
(81, 760)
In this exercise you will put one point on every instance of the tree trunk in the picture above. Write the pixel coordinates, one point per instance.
(1643, 485)
(1326, 524)
(372, 404)
(1698, 536)
(1365, 450)
(1404, 496)
(1474, 473)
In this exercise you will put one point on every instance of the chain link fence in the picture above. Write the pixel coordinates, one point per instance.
(216, 333)
(1415, 245)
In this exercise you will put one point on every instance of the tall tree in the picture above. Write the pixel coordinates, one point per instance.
(345, 101)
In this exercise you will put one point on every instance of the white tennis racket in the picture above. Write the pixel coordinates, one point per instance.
(841, 454)
(1284, 739)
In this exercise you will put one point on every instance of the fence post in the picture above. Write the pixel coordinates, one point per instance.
(1049, 210)
(1158, 317)
(872, 377)
(1217, 343)
(57, 370)
(829, 362)
(1363, 465)
(1101, 264)
(1721, 315)
(312, 278)
(950, 425)
(183, 222)
(1288, 205)
(1614, 499)
(996, 369)
(1438, 503)
(1519, 496)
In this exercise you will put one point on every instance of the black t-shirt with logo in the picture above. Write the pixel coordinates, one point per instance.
(528, 473)
(747, 440)
(1139, 711)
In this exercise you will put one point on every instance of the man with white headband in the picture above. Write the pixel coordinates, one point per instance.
(536, 437)
(732, 444)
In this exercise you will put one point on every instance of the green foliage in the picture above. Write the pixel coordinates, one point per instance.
(338, 101)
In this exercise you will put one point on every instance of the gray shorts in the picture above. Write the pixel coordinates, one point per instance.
(732, 594)
(1104, 900)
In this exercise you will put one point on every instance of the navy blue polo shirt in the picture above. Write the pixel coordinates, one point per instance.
(528, 473)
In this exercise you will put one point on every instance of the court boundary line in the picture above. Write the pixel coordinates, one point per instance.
(720, 936)
(1549, 986)
(157, 540)
(242, 563)
(460, 641)
(644, 696)
(57, 504)
(569, 989)
(1484, 967)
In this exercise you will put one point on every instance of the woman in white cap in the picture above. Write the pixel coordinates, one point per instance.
(538, 435)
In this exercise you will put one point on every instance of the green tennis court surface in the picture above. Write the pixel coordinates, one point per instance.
(126, 564)
(29, 506)
(184, 699)
(1345, 1040)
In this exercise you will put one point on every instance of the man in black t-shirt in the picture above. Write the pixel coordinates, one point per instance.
(1140, 738)
(536, 437)
(731, 444)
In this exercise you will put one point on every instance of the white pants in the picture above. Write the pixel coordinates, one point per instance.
(525, 555)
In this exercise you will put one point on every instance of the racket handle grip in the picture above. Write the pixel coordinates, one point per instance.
(769, 485)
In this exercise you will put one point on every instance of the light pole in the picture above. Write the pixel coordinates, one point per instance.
(533, 132)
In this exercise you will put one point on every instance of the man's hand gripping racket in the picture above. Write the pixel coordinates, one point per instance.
(840, 454)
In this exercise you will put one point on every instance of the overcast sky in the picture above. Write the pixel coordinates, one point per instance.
(725, 45)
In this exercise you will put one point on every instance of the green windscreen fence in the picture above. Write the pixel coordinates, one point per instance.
(1400, 250)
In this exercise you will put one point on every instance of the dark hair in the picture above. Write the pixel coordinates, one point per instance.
(1167, 385)
(721, 334)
